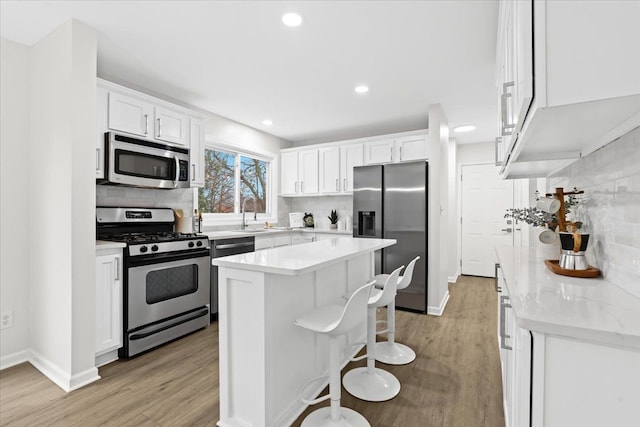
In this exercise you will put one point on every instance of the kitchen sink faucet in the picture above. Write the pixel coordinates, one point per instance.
(255, 218)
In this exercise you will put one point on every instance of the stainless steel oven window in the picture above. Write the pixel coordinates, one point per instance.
(169, 283)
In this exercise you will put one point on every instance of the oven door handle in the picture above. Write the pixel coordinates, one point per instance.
(140, 336)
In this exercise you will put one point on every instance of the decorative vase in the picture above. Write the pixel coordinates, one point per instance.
(333, 226)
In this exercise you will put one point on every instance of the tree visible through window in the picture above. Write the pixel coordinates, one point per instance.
(231, 177)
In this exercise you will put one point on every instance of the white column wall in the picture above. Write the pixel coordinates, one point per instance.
(453, 238)
(62, 199)
(14, 200)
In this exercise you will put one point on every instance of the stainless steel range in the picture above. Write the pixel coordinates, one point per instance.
(166, 276)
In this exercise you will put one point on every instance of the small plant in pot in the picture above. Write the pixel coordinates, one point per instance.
(334, 219)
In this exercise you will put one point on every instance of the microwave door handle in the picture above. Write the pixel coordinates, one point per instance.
(176, 177)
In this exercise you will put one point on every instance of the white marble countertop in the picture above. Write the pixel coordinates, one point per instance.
(304, 258)
(103, 244)
(214, 235)
(591, 309)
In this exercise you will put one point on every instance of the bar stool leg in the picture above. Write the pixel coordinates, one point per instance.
(370, 383)
(334, 378)
(391, 352)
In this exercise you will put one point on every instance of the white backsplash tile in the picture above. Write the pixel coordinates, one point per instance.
(610, 178)
(109, 195)
(320, 207)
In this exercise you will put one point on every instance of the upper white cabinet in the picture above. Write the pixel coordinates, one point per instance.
(196, 152)
(351, 155)
(171, 126)
(299, 172)
(329, 163)
(401, 149)
(378, 151)
(567, 79)
(102, 126)
(130, 114)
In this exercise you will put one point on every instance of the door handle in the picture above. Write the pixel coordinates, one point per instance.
(193, 172)
(508, 230)
(159, 128)
(344, 184)
(117, 267)
(146, 124)
(337, 184)
(176, 176)
(97, 159)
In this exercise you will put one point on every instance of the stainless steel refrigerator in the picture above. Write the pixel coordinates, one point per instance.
(390, 202)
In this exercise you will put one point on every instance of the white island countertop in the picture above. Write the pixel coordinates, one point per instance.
(304, 258)
(228, 234)
(590, 309)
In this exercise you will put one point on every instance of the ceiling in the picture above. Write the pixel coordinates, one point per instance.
(237, 59)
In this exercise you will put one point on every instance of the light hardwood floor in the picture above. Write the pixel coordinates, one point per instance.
(455, 380)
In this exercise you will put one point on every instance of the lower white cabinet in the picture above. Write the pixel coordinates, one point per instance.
(552, 380)
(274, 241)
(108, 305)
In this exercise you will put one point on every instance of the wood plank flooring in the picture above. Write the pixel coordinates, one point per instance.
(455, 380)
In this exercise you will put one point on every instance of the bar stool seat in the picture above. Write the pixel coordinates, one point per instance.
(391, 352)
(335, 320)
(371, 383)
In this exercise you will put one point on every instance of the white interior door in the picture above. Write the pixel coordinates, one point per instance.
(485, 199)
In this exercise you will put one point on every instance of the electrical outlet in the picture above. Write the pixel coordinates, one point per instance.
(6, 319)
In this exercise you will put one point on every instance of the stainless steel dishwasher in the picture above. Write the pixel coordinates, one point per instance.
(226, 247)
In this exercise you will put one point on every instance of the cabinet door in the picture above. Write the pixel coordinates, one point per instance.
(263, 242)
(411, 148)
(308, 171)
(171, 126)
(329, 170)
(102, 126)
(281, 240)
(108, 302)
(289, 173)
(378, 152)
(196, 152)
(129, 114)
(350, 157)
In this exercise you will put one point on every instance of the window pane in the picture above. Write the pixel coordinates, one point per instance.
(217, 195)
(253, 183)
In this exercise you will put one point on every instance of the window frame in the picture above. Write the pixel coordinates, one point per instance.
(271, 214)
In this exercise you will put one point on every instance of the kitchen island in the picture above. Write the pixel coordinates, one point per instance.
(264, 358)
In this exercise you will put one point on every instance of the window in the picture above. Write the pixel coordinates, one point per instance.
(230, 178)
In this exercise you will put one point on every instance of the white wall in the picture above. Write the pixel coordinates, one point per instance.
(437, 142)
(14, 200)
(57, 205)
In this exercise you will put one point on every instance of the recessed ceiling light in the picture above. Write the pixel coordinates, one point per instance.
(464, 128)
(291, 19)
(267, 122)
(362, 89)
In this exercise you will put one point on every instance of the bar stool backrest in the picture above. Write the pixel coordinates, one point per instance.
(354, 311)
(408, 274)
(389, 290)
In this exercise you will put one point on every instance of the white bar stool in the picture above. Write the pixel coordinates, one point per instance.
(371, 383)
(391, 352)
(335, 320)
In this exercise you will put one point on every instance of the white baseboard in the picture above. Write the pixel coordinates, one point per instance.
(59, 377)
(15, 359)
(454, 278)
(439, 310)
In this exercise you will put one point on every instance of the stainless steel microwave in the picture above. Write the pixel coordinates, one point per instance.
(141, 163)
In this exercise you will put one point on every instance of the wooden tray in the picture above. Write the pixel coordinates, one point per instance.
(554, 267)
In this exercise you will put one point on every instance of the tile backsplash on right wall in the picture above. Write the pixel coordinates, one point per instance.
(610, 178)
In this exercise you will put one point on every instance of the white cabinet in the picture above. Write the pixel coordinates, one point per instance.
(130, 114)
(196, 152)
(171, 126)
(108, 305)
(299, 172)
(272, 241)
(329, 160)
(302, 237)
(351, 155)
(402, 149)
(586, 91)
(125, 110)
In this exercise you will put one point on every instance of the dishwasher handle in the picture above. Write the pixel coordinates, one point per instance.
(233, 245)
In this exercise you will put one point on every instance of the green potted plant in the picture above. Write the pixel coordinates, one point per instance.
(334, 219)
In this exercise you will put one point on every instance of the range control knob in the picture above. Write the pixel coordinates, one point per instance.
(199, 243)
(143, 249)
(154, 248)
(190, 244)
